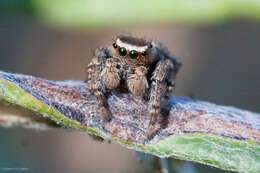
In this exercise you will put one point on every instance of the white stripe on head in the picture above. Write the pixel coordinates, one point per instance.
(130, 47)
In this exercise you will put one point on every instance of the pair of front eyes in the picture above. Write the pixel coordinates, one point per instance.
(123, 52)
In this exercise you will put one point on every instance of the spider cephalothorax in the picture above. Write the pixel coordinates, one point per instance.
(135, 50)
(139, 66)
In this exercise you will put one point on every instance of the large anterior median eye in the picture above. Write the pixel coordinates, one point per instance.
(122, 51)
(133, 54)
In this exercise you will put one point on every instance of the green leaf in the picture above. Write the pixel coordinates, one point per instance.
(220, 136)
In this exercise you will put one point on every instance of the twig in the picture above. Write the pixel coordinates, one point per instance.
(15, 116)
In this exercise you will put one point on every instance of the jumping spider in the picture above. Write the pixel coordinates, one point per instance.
(141, 67)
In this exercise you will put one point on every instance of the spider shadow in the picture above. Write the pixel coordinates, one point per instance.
(164, 114)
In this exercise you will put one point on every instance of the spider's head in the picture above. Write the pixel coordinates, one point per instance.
(132, 48)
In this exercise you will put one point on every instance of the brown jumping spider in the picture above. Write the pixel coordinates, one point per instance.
(144, 68)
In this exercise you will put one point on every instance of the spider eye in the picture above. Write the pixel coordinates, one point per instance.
(144, 53)
(122, 51)
(133, 54)
(114, 45)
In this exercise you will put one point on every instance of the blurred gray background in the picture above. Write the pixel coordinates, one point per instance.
(221, 64)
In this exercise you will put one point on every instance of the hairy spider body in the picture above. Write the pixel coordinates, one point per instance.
(135, 65)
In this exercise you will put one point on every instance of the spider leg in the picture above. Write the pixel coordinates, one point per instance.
(95, 83)
(102, 103)
(160, 88)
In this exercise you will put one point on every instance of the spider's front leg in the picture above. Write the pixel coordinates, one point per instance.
(98, 71)
(160, 87)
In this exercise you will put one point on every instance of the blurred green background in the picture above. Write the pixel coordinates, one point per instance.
(89, 13)
(217, 41)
